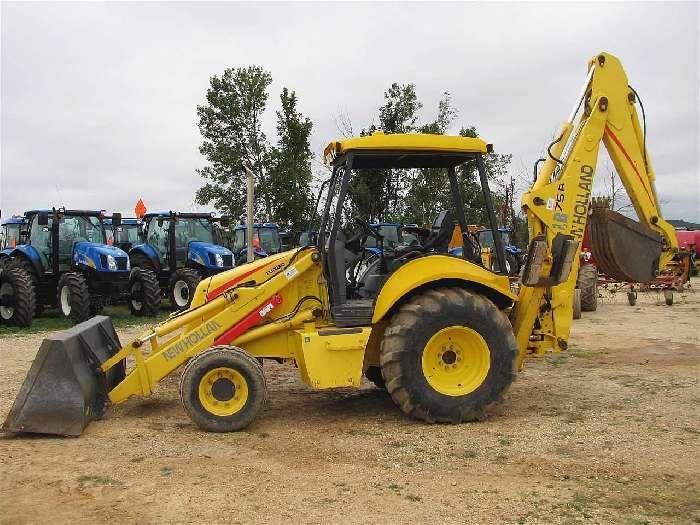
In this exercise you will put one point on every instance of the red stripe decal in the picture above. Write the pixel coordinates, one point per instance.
(619, 145)
(221, 289)
(254, 318)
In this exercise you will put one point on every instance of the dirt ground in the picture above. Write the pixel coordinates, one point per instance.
(606, 433)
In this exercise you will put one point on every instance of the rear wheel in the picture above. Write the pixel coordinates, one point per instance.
(17, 297)
(632, 298)
(588, 284)
(447, 355)
(144, 292)
(223, 389)
(73, 297)
(183, 283)
(668, 297)
(577, 303)
(27, 266)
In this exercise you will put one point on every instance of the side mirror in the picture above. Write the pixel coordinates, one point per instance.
(116, 219)
(42, 218)
(225, 222)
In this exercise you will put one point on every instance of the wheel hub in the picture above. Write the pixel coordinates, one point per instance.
(456, 361)
(223, 391)
(65, 301)
(7, 301)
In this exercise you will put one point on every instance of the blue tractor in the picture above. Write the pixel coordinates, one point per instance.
(180, 249)
(514, 256)
(125, 236)
(11, 231)
(266, 239)
(68, 262)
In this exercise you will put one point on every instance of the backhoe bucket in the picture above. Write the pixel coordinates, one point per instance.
(65, 389)
(624, 249)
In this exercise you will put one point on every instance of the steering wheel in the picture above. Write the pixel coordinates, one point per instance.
(369, 230)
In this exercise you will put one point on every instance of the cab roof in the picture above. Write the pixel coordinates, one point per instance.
(381, 150)
(14, 220)
(257, 225)
(187, 215)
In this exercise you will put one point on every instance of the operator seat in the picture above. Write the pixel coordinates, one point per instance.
(437, 238)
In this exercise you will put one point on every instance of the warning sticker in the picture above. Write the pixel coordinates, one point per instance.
(550, 204)
(290, 273)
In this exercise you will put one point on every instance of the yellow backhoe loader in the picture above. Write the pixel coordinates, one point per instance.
(444, 335)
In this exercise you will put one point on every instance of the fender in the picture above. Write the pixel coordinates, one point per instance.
(150, 252)
(28, 252)
(434, 268)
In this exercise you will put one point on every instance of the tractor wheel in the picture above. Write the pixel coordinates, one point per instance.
(73, 297)
(668, 297)
(632, 298)
(140, 261)
(223, 389)
(28, 267)
(374, 374)
(183, 283)
(144, 293)
(448, 355)
(588, 284)
(577, 303)
(17, 297)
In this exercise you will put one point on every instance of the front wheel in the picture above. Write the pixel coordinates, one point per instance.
(144, 292)
(223, 389)
(183, 283)
(73, 297)
(447, 355)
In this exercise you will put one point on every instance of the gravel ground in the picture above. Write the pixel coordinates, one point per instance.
(607, 433)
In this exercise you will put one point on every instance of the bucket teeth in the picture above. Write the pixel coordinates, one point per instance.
(65, 388)
(623, 248)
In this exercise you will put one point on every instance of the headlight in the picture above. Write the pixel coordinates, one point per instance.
(111, 263)
(219, 260)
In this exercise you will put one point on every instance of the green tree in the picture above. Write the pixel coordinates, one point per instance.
(290, 166)
(230, 125)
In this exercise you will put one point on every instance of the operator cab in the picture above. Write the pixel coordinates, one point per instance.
(354, 283)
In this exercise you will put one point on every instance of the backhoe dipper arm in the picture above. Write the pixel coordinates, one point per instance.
(557, 205)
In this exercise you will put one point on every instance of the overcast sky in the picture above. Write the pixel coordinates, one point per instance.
(99, 100)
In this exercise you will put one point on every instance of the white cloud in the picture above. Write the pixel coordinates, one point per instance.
(98, 100)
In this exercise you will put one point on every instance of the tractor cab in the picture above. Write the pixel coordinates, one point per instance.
(356, 289)
(266, 240)
(125, 236)
(12, 232)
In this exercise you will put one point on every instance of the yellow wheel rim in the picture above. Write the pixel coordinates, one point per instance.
(456, 361)
(223, 391)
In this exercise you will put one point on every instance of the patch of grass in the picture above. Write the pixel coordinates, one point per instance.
(51, 320)
(504, 441)
(397, 444)
(100, 480)
(394, 487)
(692, 430)
(413, 497)
(557, 359)
(469, 454)
(166, 471)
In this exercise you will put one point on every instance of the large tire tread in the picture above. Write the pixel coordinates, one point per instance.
(150, 297)
(24, 295)
(588, 284)
(79, 296)
(408, 324)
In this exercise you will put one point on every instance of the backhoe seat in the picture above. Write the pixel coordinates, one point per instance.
(440, 232)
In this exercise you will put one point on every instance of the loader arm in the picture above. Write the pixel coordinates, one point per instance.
(557, 204)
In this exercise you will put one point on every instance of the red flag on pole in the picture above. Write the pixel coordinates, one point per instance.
(140, 209)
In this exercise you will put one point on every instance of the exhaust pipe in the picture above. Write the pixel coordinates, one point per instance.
(65, 388)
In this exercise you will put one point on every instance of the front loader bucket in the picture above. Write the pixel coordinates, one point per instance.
(65, 388)
(624, 249)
